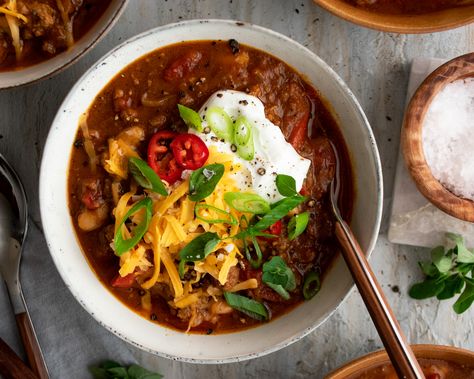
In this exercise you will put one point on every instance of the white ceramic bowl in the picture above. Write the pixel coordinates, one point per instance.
(56, 64)
(109, 311)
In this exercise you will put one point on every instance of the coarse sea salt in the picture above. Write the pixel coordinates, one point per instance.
(448, 137)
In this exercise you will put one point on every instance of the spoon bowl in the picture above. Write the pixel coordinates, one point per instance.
(13, 229)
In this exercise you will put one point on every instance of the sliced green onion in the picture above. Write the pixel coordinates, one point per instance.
(123, 245)
(297, 225)
(250, 307)
(242, 131)
(220, 123)
(190, 117)
(145, 176)
(229, 218)
(243, 138)
(181, 268)
(247, 202)
(255, 263)
(278, 211)
(312, 285)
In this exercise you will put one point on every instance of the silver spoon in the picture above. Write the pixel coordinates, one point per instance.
(395, 342)
(13, 229)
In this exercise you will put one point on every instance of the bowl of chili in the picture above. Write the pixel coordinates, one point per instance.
(403, 16)
(174, 156)
(39, 39)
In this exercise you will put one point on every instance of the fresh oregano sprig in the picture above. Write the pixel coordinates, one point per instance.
(450, 272)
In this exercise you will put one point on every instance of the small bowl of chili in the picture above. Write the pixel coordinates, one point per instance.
(403, 16)
(437, 362)
(41, 38)
(213, 138)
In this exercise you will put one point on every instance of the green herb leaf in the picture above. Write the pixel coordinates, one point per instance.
(145, 176)
(311, 285)
(278, 212)
(442, 263)
(250, 307)
(286, 185)
(465, 300)
(200, 247)
(247, 202)
(278, 288)
(204, 180)
(123, 245)
(426, 289)
(452, 286)
(297, 225)
(464, 255)
(229, 218)
(277, 273)
(220, 123)
(113, 370)
(428, 268)
(190, 117)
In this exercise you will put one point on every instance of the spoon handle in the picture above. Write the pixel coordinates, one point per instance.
(11, 366)
(392, 336)
(32, 347)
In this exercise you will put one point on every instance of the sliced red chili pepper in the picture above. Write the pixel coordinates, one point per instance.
(189, 151)
(123, 281)
(161, 158)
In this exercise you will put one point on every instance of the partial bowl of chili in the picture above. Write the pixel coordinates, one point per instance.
(40, 39)
(173, 159)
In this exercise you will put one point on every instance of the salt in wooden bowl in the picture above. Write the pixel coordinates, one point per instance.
(412, 142)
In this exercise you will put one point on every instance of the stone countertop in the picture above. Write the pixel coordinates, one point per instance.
(376, 67)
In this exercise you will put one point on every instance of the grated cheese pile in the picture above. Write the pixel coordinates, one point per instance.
(172, 227)
(448, 137)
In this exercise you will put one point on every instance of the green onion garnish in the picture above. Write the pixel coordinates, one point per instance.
(297, 225)
(312, 285)
(145, 176)
(243, 138)
(278, 211)
(203, 181)
(229, 218)
(181, 268)
(124, 245)
(190, 117)
(278, 276)
(247, 202)
(250, 307)
(255, 263)
(220, 123)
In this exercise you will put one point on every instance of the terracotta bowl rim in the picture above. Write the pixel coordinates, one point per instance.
(406, 24)
(379, 357)
(412, 143)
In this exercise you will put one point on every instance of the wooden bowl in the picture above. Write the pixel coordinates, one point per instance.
(412, 144)
(425, 23)
(373, 360)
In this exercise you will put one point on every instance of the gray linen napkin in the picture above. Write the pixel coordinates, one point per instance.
(70, 338)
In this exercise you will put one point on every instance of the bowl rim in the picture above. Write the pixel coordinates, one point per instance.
(412, 139)
(380, 357)
(58, 68)
(373, 154)
(389, 23)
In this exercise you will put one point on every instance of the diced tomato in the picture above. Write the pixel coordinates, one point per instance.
(182, 66)
(92, 194)
(275, 229)
(161, 158)
(189, 151)
(299, 133)
(123, 282)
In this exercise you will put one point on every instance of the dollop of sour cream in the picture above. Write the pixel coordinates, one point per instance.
(273, 155)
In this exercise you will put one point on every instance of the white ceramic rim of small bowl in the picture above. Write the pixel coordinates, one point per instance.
(57, 64)
(49, 195)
